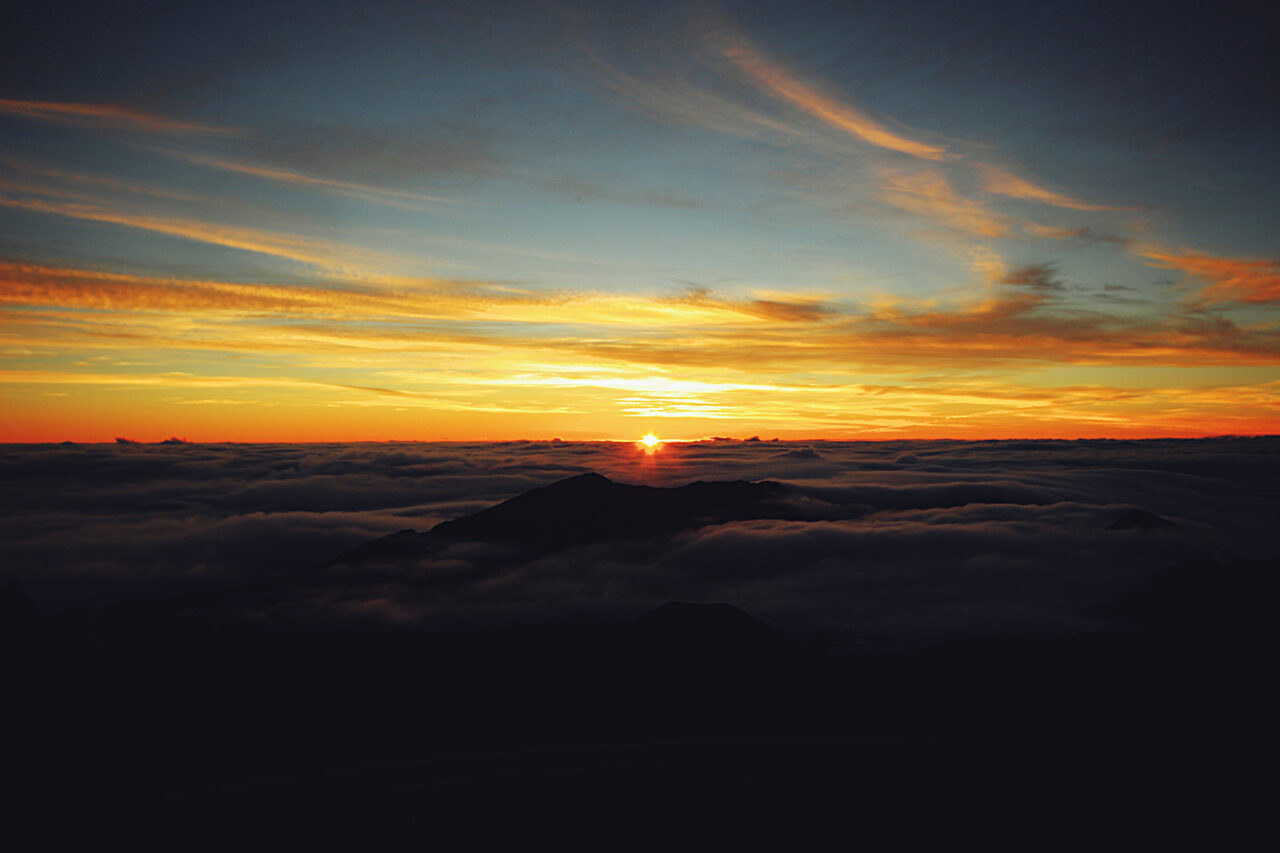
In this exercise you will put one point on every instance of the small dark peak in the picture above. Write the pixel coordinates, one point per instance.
(580, 486)
(173, 439)
(589, 480)
(120, 440)
(800, 453)
(755, 438)
(743, 490)
(1140, 519)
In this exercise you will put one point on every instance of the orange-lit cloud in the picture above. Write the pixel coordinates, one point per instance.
(64, 288)
(28, 284)
(319, 253)
(928, 193)
(108, 116)
(1001, 182)
(789, 309)
(1014, 326)
(1231, 279)
(844, 117)
(1016, 329)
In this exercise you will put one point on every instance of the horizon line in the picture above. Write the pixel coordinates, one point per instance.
(175, 440)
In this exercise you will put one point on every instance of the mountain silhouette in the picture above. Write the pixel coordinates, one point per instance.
(587, 509)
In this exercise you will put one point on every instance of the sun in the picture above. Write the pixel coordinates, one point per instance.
(650, 440)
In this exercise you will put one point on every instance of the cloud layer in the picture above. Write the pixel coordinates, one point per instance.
(886, 543)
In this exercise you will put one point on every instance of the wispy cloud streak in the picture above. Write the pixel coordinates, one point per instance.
(108, 116)
(322, 254)
(929, 194)
(65, 288)
(779, 82)
(366, 192)
(1001, 182)
(1254, 280)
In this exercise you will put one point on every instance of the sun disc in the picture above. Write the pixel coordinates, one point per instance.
(650, 440)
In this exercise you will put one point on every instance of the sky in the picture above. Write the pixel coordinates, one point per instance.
(491, 221)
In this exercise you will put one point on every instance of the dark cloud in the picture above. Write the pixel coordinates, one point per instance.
(1040, 277)
(883, 543)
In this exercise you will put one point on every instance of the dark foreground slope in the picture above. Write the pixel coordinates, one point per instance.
(691, 709)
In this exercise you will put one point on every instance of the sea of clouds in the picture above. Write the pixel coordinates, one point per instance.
(888, 542)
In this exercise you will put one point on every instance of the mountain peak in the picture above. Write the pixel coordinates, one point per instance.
(585, 509)
(591, 508)
(588, 480)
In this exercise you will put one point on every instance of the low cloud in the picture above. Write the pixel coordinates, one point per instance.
(885, 543)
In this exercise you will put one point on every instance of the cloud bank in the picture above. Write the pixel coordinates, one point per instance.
(884, 543)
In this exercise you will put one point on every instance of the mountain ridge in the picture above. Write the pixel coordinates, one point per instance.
(588, 508)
